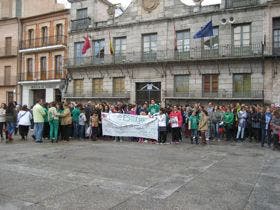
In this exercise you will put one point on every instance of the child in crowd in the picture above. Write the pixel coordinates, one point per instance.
(82, 124)
(162, 119)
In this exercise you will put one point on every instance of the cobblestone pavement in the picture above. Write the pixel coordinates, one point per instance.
(108, 175)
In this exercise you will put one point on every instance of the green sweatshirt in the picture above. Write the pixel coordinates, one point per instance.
(229, 118)
(75, 114)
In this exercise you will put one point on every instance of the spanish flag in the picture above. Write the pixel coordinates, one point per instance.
(111, 45)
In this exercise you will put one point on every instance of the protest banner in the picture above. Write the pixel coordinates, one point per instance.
(126, 125)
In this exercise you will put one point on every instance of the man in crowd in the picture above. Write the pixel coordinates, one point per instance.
(38, 116)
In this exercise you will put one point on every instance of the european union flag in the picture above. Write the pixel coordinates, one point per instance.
(206, 31)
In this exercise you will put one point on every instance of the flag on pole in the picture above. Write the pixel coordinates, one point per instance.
(86, 45)
(111, 45)
(205, 31)
(175, 38)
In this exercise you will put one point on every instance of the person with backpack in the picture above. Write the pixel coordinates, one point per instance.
(24, 118)
(53, 118)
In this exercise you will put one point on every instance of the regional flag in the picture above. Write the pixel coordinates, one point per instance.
(205, 31)
(111, 45)
(86, 45)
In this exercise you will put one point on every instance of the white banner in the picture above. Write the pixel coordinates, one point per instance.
(115, 124)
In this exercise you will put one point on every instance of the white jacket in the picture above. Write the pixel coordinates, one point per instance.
(2, 115)
(24, 118)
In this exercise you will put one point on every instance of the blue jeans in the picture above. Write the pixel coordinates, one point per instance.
(240, 131)
(76, 129)
(81, 131)
(38, 131)
(217, 133)
(10, 128)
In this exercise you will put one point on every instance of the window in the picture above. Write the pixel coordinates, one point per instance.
(210, 84)
(98, 49)
(44, 35)
(43, 67)
(59, 33)
(8, 45)
(10, 96)
(212, 42)
(78, 56)
(181, 85)
(31, 38)
(241, 85)
(7, 75)
(97, 86)
(149, 47)
(29, 67)
(58, 66)
(81, 13)
(242, 35)
(183, 41)
(118, 85)
(276, 36)
(18, 8)
(78, 87)
(120, 49)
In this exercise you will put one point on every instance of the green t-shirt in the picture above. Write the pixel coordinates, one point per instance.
(153, 109)
(75, 114)
(193, 120)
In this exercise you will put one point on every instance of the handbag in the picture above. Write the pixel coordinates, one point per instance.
(88, 131)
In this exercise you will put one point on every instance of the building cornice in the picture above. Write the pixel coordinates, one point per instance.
(46, 15)
(169, 19)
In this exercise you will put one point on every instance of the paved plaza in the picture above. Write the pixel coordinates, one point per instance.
(108, 175)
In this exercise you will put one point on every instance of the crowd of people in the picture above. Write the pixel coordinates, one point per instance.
(201, 125)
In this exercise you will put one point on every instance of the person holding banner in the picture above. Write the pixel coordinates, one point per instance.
(162, 121)
(176, 122)
(153, 108)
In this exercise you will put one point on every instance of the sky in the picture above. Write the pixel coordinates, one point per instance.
(125, 3)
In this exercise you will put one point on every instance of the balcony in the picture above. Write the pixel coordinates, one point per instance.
(99, 95)
(80, 24)
(194, 54)
(43, 42)
(8, 81)
(8, 51)
(42, 75)
(220, 95)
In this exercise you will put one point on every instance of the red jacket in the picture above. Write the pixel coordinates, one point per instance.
(177, 114)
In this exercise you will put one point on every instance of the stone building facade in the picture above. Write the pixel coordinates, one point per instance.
(154, 53)
(43, 49)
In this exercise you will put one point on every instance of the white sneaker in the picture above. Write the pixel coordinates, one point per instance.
(146, 141)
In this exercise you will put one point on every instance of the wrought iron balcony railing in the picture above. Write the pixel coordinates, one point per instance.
(8, 51)
(42, 75)
(222, 52)
(80, 24)
(43, 42)
(221, 94)
(8, 81)
(100, 94)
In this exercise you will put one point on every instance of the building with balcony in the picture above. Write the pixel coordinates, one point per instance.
(154, 53)
(10, 26)
(43, 49)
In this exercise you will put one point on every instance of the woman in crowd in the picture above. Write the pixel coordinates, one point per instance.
(66, 122)
(176, 122)
(242, 116)
(193, 126)
(228, 123)
(203, 125)
(24, 118)
(46, 129)
(53, 118)
(275, 125)
(11, 119)
(3, 108)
